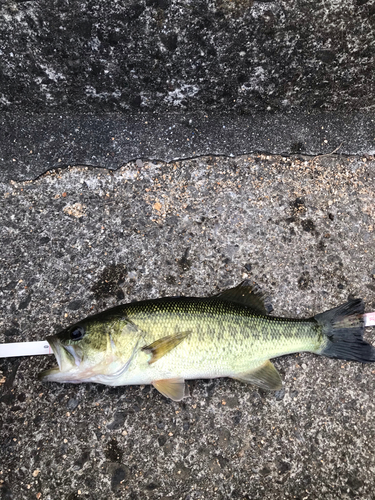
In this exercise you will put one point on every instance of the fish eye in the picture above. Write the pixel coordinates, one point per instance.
(77, 333)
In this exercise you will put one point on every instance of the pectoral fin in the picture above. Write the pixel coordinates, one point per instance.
(173, 388)
(265, 376)
(162, 346)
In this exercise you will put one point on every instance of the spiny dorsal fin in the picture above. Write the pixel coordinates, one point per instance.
(265, 376)
(173, 388)
(162, 346)
(247, 295)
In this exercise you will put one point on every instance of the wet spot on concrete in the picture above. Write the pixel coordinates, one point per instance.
(296, 148)
(279, 395)
(82, 460)
(169, 41)
(6, 492)
(7, 399)
(322, 245)
(24, 304)
(73, 496)
(119, 477)
(237, 417)
(265, 471)
(298, 206)
(160, 4)
(184, 263)
(72, 404)
(283, 467)
(152, 486)
(108, 284)
(181, 471)
(44, 240)
(354, 483)
(304, 280)
(75, 305)
(118, 421)
(289, 220)
(12, 332)
(308, 225)
(112, 452)
(162, 440)
(224, 438)
(21, 397)
(171, 280)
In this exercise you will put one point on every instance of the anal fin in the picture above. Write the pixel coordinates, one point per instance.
(173, 388)
(265, 376)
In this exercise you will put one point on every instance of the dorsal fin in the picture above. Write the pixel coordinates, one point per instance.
(247, 295)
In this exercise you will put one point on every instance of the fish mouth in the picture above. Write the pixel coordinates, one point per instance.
(65, 359)
(56, 348)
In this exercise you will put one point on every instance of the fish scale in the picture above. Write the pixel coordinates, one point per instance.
(219, 327)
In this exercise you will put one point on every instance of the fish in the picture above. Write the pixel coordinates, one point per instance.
(165, 341)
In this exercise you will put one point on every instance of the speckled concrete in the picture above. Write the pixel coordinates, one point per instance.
(160, 55)
(81, 239)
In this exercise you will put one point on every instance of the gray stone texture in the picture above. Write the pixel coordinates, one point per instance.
(242, 56)
(79, 240)
(32, 144)
(101, 83)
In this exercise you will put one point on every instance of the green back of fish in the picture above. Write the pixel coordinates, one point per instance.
(213, 336)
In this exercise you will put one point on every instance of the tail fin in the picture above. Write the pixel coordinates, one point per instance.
(343, 329)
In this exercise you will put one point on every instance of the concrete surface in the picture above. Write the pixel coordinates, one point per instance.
(102, 83)
(96, 56)
(78, 240)
(31, 144)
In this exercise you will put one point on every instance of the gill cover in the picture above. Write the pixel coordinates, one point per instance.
(93, 351)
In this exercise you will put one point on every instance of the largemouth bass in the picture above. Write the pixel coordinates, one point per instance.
(166, 341)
